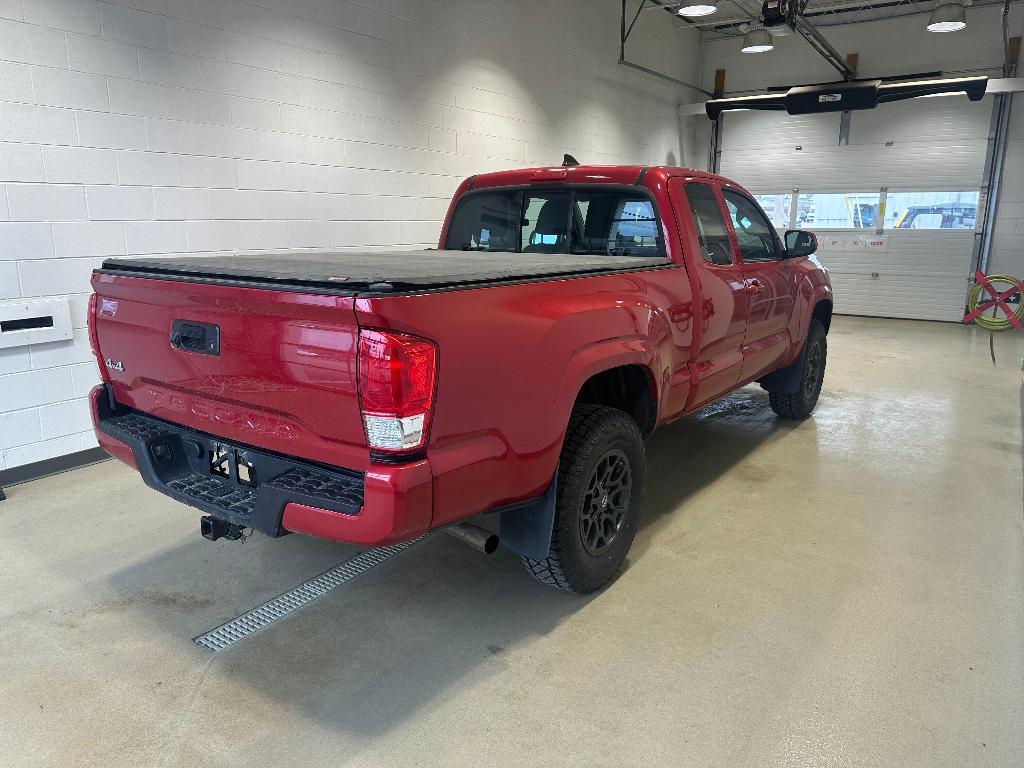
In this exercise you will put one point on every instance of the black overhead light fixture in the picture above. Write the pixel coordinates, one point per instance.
(693, 8)
(948, 16)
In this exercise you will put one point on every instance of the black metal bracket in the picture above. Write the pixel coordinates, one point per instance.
(624, 33)
(823, 47)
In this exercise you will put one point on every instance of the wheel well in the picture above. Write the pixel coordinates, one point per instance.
(823, 313)
(628, 388)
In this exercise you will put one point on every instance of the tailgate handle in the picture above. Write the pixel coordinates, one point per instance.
(189, 336)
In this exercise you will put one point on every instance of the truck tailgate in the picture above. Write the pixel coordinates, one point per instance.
(271, 369)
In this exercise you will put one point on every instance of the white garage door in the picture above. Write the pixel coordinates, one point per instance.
(928, 153)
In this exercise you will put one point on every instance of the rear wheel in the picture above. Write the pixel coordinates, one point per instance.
(799, 404)
(599, 496)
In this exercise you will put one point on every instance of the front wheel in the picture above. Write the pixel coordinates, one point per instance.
(599, 497)
(799, 404)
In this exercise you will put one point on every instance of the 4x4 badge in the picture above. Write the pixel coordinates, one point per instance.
(118, 366)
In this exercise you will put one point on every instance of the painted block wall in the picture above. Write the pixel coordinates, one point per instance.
(207, 126)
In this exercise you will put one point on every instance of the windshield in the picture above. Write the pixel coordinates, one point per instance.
(580, 221)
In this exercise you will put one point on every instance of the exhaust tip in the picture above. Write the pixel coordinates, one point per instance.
(490, 545)
(476, 537)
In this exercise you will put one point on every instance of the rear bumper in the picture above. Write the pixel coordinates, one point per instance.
(271, 493)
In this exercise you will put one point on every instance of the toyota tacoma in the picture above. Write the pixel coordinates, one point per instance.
(369, 397)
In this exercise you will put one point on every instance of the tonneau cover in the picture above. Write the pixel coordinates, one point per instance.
(378, 270)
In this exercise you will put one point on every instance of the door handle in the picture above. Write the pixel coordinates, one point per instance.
(754, 287)
(681, 313)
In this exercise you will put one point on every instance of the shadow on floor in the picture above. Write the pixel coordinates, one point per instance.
(366, 657)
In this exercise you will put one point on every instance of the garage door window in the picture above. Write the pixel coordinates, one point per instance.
(776, 208)
(931, 210)
(837, 210)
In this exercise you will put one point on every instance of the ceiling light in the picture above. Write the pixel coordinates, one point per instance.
(757, 40)
(697, 9)
(948, 16)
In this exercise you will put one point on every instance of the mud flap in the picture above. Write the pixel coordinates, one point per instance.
(526, 529)
(786, 380)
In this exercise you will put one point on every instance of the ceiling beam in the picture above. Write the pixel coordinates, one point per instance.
(821, 45)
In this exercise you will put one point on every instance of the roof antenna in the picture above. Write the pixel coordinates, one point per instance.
(569, 160)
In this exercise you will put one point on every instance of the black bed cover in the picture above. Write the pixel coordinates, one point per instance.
(347, 272)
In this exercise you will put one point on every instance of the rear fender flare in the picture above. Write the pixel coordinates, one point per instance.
(603, 356)
(526, 528)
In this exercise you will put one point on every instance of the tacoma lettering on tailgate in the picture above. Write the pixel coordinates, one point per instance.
(222, 414)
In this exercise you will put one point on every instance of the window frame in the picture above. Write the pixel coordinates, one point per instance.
(521, 190)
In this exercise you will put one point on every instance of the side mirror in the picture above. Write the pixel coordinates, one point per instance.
(800, 242)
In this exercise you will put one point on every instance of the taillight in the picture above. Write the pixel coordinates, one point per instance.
(396, 389)
(94, 341)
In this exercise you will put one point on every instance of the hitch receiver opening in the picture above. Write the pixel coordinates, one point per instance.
(213, 528)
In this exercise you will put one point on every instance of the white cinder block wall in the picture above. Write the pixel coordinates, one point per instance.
(203, 126)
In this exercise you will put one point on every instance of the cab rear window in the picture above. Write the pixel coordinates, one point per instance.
(581, 221)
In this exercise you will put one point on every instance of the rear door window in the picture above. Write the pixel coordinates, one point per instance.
(707, 217)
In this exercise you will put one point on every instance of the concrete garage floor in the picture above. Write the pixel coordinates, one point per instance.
(844, 591)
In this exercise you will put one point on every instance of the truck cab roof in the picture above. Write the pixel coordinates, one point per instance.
(584, 174)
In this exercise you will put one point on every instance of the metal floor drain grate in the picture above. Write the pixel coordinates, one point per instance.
(263, 615)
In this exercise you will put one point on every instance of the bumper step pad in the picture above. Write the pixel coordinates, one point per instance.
(242, 485)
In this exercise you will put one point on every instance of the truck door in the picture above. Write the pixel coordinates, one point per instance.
(768, 281)
(721, 317)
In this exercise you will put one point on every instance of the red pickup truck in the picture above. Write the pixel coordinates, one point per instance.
(369, 397)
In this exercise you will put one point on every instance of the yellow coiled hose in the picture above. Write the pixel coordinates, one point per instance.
(998, 322)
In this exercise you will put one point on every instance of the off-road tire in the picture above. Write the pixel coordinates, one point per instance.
(799, 404)
(598, 439)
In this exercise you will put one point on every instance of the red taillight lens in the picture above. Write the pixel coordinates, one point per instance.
(94, 341)
(396, 389)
